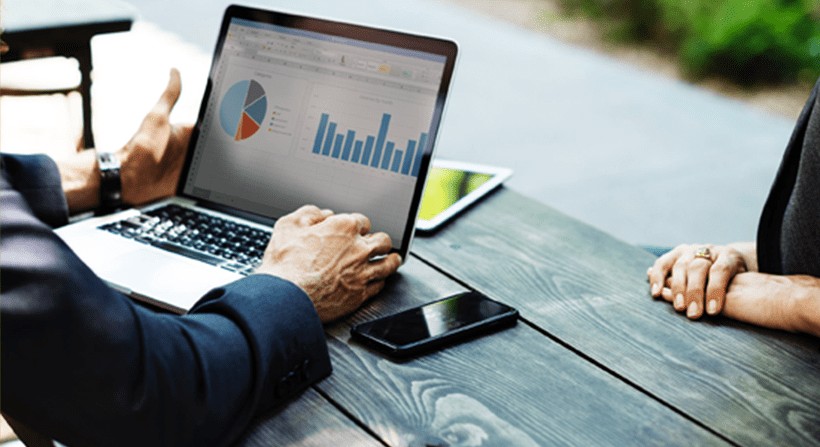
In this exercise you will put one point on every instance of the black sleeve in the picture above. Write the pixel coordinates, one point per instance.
(770, 228)
(85, 365)
(37, 179)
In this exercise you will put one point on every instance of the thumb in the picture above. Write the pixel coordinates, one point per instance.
(170, 95)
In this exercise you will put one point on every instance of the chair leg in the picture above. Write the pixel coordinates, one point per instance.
(83, 56)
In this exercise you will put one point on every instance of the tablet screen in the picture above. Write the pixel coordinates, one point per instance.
(452, 186)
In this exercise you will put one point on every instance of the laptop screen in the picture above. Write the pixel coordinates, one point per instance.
(296, 116)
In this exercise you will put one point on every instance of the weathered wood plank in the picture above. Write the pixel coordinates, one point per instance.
(513, 388)
(589, 290)
(308, 421)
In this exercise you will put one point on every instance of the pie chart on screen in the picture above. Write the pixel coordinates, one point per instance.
(243, 109)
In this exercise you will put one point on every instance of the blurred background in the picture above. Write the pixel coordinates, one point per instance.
(658, 121)
(765, 52)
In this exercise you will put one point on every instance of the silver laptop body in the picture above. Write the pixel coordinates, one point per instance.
(297, 110)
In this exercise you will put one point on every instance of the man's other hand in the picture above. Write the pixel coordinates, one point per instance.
(330, 257)
(152, 160)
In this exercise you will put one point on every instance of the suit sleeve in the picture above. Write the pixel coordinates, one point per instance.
(37, 180)
(85, 365)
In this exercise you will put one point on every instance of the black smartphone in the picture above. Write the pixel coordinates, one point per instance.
(436, 324)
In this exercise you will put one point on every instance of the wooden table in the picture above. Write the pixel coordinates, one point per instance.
(593, 360)
(42, 28)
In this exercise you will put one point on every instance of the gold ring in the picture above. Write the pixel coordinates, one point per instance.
(704, 252)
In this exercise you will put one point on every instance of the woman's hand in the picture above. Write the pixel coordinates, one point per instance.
(694, 277)
(787, 302)
(724, 278)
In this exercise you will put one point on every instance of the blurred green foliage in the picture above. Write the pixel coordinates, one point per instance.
(748, 41)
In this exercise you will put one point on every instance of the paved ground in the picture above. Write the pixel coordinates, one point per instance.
(648, 159)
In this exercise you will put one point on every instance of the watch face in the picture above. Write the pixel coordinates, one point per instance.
(108, 161)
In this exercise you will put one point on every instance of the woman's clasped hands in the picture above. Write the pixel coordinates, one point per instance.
(695, 278)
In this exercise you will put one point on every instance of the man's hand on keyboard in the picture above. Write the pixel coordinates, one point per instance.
(330, 257)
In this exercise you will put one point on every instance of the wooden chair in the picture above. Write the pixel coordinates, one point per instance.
(42, 28)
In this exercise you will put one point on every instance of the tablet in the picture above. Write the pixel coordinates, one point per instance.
(452, 186)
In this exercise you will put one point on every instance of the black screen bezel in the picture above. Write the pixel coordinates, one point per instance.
(438, 46)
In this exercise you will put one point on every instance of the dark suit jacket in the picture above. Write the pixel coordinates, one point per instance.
(87, 366)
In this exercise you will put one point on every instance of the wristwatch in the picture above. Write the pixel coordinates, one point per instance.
(110, 184)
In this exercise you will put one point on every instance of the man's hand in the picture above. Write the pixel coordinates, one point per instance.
(329, 256)
(150, 163)
(152, 160)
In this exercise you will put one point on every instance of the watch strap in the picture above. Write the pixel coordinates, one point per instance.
(110, 183)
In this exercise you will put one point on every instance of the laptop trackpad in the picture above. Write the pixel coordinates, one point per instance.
(165, 277)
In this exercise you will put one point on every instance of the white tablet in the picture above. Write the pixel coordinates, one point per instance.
(452, 186)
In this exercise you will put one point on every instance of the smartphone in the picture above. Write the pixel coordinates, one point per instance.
(435, 325)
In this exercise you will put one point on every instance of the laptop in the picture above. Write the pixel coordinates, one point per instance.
(297, 110)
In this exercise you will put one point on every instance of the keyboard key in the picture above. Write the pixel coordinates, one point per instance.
(196, 235)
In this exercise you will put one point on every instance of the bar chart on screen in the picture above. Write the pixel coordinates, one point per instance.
(373, 150)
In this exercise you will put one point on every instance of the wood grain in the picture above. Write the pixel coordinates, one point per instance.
(589, 290)
(309, 421)
(512, 388)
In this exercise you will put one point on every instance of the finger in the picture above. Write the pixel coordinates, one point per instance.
(656, 281)
(307, 209)
(379, 243)
(314, 216)
(304, 216)
(363, 223)
(170, 95)
(720, 274)
(661, 269)
(349, 223)
(666, 294)
(155, 121)
(382, 268)
(696, 278)
(678, 284)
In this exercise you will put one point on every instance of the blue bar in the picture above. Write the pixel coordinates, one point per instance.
(380, 140)
(331, 130)
(351, 136)
(320, 134)
(396, 161)
(408, 157)
(368, 147)
(357, 151)
(419, 154)
(337, 146)
(388, 152)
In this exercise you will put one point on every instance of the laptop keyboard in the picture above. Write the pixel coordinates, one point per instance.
(230, 245)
